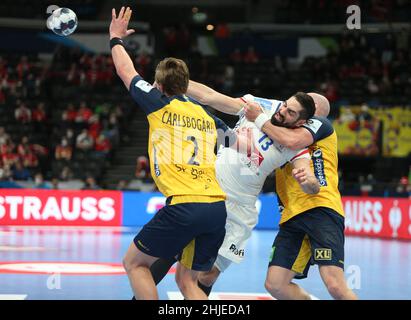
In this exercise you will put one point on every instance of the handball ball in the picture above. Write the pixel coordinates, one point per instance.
(63, 21)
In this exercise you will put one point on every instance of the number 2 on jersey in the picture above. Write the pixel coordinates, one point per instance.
(192, 159)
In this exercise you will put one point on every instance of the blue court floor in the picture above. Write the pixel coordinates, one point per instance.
(39, 263)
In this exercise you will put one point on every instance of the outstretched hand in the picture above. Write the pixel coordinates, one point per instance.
(118, 25)
(252, 110)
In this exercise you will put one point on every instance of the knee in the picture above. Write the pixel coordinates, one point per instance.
(127, 265)
(336, 289)
(273, 287)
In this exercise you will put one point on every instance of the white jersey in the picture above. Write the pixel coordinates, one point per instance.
(241, 175)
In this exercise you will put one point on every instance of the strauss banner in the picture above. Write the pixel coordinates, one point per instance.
(378, 217)
(62, 208)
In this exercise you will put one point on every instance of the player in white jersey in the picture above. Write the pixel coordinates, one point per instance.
(241, 174)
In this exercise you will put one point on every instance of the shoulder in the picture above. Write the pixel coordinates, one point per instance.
(319, 127)
(148, 97)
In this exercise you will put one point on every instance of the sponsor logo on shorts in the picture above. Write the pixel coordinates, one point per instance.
(322, 254)
(237, 252)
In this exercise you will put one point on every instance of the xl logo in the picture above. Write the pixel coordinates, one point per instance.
(322, 254)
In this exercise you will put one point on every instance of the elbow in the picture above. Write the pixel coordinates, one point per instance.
(314, 188)
(120, 72)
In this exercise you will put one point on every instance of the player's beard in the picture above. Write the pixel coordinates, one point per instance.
(280, 123)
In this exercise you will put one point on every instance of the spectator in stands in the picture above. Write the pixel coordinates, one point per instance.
(251, 56)
(122, 185)
(22, 114)
(102, 146)
(143, 61)
(84, 141)
(55, 184)
(94, 127)
(23, 67)
(39, 182)
(4, 136)
(5, 173)
(23, 145)
(8, 155)
(403, 188)
(70, 137)
(63, 151)
(83, 115)
(111, 131)
(91, 184)
(39, 113)
(20, 172)
(28, 158)
(142, 168)
(66, 174)
(69, 115)
(236, 56)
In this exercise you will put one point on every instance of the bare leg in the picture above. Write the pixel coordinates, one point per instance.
(334, 280)
(137, 265)
(208, 278)
(278, 284)
(187, 282)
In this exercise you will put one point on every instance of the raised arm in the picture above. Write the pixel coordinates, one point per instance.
(122, 61)
(305, 177)
(293, 139)
(216, 100)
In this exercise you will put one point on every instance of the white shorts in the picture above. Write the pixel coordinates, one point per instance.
(241, 219)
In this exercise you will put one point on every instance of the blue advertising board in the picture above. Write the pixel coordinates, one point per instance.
(140, 207)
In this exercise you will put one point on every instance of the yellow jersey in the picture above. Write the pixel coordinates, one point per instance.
(181, 143)
(325, 165)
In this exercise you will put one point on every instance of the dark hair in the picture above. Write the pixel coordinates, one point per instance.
(173, 75)
(308, 104)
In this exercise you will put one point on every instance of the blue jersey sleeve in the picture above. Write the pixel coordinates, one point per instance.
(148, 98)
(319, 127)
